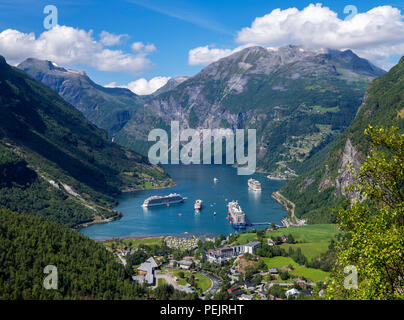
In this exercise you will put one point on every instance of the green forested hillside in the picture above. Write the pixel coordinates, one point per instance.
(63, 151)
(22, 190)
(85, 269)
(318, 191)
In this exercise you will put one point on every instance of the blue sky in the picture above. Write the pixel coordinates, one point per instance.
(174, 27)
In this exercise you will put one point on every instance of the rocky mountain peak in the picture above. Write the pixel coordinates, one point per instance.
(3, 64)
(46, 66)
(265, 61)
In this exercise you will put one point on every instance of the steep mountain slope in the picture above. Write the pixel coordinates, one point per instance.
(323, 187)
(170, 85)
(298, 100)
(55, 163)
(108, 108)
(85, 269)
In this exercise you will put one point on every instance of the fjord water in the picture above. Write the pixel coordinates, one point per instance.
(193, 182)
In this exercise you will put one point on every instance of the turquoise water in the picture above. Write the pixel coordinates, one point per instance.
(193, 182)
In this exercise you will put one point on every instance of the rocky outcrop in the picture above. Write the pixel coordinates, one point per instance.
(349, 165)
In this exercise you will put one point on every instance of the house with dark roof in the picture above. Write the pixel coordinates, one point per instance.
(185, 264)
(273, 271)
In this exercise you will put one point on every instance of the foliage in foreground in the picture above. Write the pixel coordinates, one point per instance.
(374, 225)
(85, 269)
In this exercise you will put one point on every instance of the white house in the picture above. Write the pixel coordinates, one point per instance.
(252, 247)
(293, 292)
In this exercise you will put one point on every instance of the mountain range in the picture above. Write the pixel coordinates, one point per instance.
(298, 100)
(55, 163)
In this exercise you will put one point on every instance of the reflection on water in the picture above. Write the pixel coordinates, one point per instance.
(193, 182)
(254, 195)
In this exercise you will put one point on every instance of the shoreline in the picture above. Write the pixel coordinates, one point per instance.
(132, 238)
(120, 214)
(147, 189)
(145, 237)
(290, 220)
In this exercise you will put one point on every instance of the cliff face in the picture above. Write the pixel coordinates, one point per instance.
(383, 106)
(349, 164)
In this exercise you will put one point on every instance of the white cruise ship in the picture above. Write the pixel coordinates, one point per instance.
(163, 200)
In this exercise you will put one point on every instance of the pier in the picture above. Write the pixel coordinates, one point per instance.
(251, 224)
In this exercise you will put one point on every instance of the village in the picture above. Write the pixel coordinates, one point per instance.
(229, 267)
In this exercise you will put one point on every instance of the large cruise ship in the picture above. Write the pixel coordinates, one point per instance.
(254, 184)
(163, 200)
(237, 215)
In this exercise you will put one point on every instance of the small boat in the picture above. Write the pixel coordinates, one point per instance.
(198, 205)
(215, 179)
(214, 213)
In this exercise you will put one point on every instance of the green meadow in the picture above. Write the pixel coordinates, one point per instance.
(298, 271)
(310, 250)
(309, 233)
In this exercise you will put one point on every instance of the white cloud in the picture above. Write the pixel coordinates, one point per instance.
(143, 86)
(202, 56)
(376, 34)
(140, 46)
(66, 46)
(110, 39)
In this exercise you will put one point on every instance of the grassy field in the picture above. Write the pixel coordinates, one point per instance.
(135, 243)
(201, 280)
(246, 237)
(299, 271)
(279, 262)
(309, 233)
(161, 281)
(322, 109)
(311, 249)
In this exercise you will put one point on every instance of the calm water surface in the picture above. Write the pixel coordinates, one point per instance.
(193, 182)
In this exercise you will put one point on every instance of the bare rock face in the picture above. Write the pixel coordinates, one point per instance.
(349, 165)
(326, 182)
